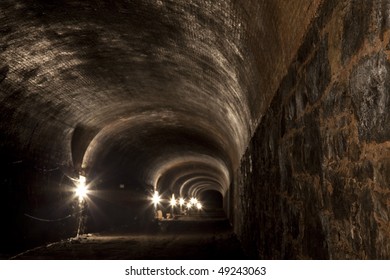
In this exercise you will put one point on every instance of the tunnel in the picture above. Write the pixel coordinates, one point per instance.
(273, 115)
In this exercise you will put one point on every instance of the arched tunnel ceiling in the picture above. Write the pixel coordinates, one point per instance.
(173, 87)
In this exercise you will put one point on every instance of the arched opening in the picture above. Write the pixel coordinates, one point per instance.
(212, 200)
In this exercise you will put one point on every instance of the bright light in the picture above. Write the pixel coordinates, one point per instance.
(189, 205)
(156, 198)
(199, 206)
(173, 200)
(181, 201)
(193, 201)
(81, 188)
(81, 191)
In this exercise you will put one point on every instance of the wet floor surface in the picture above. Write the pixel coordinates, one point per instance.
(172, 240)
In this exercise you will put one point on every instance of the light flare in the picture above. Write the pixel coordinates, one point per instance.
(193, 201)
(173, 201)
(156, 198)
(81, 188)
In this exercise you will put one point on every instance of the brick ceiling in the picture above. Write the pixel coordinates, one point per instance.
(162, 93)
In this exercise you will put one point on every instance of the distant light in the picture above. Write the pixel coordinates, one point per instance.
(173, 200)
(81, 192)
(81, 188)
(181, 201)
(156, 198)
(199, 206)
(193, 201)
(189, 205)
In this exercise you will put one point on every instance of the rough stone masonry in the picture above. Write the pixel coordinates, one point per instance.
(314, 182)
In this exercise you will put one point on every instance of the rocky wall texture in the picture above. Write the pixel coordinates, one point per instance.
(314, 181)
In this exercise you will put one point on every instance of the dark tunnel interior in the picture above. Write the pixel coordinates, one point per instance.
(259, 126)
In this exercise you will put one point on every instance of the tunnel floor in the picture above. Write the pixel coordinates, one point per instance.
(173, 240)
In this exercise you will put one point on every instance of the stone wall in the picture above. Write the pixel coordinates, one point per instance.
(314, 181)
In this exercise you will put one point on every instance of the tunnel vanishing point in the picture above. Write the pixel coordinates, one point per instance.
(279, 109)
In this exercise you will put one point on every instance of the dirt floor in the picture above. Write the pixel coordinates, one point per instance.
(185, 239)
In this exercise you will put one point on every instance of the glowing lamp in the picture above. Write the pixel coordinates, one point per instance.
(173, 200)
(193, 201)
(81, 188)
(156, 198)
